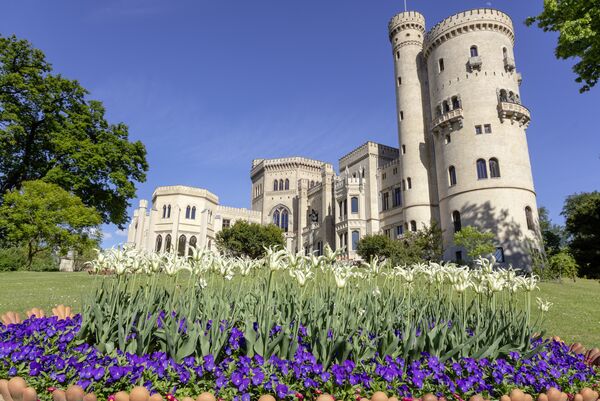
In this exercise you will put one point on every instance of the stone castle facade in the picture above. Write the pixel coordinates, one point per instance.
(462, 159)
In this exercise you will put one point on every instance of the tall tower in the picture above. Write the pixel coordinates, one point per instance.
(482, 162)
(407, 33)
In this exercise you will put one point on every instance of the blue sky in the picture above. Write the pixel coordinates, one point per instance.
(210, 85)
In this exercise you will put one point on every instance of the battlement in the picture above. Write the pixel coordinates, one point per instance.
(185, 190)
(368, 148)
(410, 19)
(287, 163)
(393, 163)
(238, 211)
(484, 19)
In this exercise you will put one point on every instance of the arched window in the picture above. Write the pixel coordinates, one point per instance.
(441, 64)
(354, 204)
(275, 185)
(287, 184)
(494, 168)
(452, 175)
(193, 243)
(181, 246)
(276, 218)
(438, 110)
(446, 106)
(281, 184)
(164, 211)
(169, 212)
(355, 239)
(188, 212)
(312, 183)
(529, 218)
(504, 52)
(455, 102)
(474, 52)
(284, 220)
(413, 225)
(158, 243)
(481, 169)
(409, 183)
(168, 243)
(511, 97)
(456, 221)
(194, 213)
(503, 95)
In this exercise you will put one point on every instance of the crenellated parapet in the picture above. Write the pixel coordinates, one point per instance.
(481, 19)
(406, 20)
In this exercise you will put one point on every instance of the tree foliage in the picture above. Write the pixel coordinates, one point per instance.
(50, 131)
(578, 25)
(582, 224)
(562, 264)
(44, 217)
(377, 245)
(553, 235)
(249, 239)
(476, 242)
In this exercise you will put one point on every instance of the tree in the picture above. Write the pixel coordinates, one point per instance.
(562, 264)
(553, 235)
(50, 131)
(42, 217)
(582, 224)
(430, 240)
(377, 245)
(249, 239)
(578, 25)
(476, 243)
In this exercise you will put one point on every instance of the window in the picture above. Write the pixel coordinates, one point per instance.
(503, 95)
(164, 211)
(284, 220)
(395, 170)
(158, 243)
(226, 223)
(354, 205)
(383, 176)
(481, 169)
(281, 184)
(398, 55)
(478, 130)
(397, 197)
(474, 52)
(287, 184)
(399, 81)
(275, 185)
(504, 52)
(188, 212)
(456, 221)
(452, 175)
(276, 218)
(499, 254)
(312, 183)
(409, 183)
(487, 128)
(403, 149)
(455, 102)
(168, 243)
(385, 201)
(355, 239)
(529, 218)
(441, 64)
(458, 256)
(194, 213)
(387, 232)
(169, 212)
(404, 185)
(399, 231)
(281, 218)
(413, 225)
(448, 139)
(181, 246)
(192, 246)
(401, 115)
(446, 106)
(494, 168)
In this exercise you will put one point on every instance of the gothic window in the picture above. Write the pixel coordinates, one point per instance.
(355, 239)
(284, 220)
(287, 184)
(188, 212)
(413, 225)
(158, 243)
(385, 201)
(354, 205)
(494, 168)
(276, 218)
(169, 212)
(164, 211)
(529, 218)
(455, 102)
(275, 185)
(194, 213)
(446, 106)
(452, 175)
(441, 64)
(474, 52)
(168, 243)
(397, 197)
(456, 221)
(181, 246)
(281, 184)
(193, 243)
(503, 95)
(481, 169)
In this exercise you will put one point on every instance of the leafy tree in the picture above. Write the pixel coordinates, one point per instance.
(476, 243)
(249, 239)
(562, 264)
(578, 25)
(44, 217)
(378, 245)
(429, 240)
(582, 215)
(553, 235)
(50, 131)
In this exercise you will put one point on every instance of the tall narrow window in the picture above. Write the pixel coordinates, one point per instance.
(504, 52)
(452, 175)
(164, 211)
(441, 64)
(499, 255)
(397, 197)
(456, 221)
(409, 183)
(284, 220)
(385, 201)
(355, 239)
(169, 212)
(158, 243)
(446, 106)
(494, 168)
(194, 213)
(529, 218)
(188, 212)
(168, 243)
(281, 184)
(354, 204)
(276, 218)
(404, 185)
(287, 184)
(455, 102)
(403, 149)
(181, 246)
(275, 185)
(193, 243)
(458, 256)
(399, 81)
(481, 169)
(399, 231)
(413, 225)
(474, 52)
(448, 139)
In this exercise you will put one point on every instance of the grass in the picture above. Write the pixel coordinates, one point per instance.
(575, 315)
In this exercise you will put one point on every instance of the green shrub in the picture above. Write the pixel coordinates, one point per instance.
(249, 239)
(15, 258)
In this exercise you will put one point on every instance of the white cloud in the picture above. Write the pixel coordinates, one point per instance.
(106, 236)
(121, 233)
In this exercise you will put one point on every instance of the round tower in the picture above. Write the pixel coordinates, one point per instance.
(419, 198)
(478, 124)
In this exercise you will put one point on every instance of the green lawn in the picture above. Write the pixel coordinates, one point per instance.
(575, 315)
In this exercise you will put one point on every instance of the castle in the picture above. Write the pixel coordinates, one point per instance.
(462, 159)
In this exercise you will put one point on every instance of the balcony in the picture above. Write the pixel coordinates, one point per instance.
(514, 112)
(474, 63)
(447, 121)
(509, 63)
